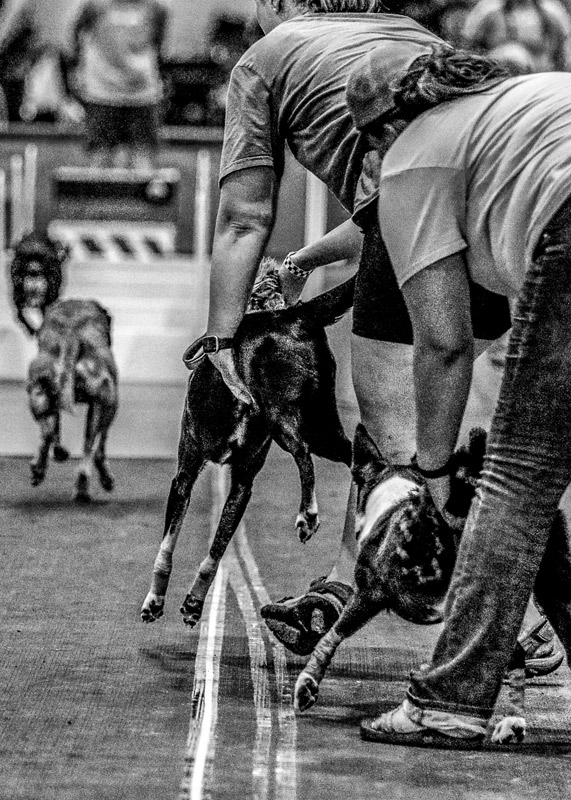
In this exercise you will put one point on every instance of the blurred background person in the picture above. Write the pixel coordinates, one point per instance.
(117, 51)
(526, 35)
(19, 48)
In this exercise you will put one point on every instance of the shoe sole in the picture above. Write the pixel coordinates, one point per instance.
(425, 738)
(538, 667)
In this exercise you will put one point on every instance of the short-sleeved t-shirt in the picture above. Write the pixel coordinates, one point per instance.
(289, 87)
(483, 174)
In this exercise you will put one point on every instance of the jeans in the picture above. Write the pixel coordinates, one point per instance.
(514, 541)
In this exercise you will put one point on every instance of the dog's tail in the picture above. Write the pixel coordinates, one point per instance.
(330, 306)
(66, 373)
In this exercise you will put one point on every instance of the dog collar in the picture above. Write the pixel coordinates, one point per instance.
(195, 352)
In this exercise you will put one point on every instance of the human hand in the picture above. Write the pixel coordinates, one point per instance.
(224, 362)
(440, 492)
(292, 285)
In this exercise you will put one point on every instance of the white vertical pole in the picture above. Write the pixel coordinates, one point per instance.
(2, 215)
(315, 222)
(16, 209)
(29, 201)
(202, 205)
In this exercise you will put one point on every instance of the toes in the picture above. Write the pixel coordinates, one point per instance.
(191, 610)
(306, 526)
(152, 609)
(306, 691)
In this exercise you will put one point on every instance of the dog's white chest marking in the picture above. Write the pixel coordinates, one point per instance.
(381, 502)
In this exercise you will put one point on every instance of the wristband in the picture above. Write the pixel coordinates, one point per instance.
(439, 472)
(195, 352)
(293, 269)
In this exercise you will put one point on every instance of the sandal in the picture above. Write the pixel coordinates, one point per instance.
(402, 726)
(299, 623)
(541, 656)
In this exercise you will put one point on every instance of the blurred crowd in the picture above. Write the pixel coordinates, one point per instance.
(40, 81)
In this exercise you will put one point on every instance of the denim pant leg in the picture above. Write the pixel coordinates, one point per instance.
(527, 469)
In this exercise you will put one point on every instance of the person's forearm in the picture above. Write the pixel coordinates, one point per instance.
(235, 260)
(442, 383)
(343, 242)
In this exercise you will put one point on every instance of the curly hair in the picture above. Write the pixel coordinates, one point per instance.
(444, 74)
(341, 6)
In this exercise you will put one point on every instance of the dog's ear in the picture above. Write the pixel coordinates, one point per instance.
(368, 462)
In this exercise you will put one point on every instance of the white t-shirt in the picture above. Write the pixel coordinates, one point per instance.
(483, 174)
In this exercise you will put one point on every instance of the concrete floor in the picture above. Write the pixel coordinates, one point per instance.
(100, 707)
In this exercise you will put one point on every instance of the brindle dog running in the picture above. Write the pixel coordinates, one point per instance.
(74, 364)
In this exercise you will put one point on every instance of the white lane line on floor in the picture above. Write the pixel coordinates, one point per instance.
(201, 742)
(260, 678)
(286, 759)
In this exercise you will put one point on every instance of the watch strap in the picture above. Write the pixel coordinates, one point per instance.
(196, 351)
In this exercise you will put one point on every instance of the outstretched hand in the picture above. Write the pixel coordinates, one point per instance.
(224, 362)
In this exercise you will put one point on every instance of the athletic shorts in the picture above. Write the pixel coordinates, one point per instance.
(111, 126)
(379, 310)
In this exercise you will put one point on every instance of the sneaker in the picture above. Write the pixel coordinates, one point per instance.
(542, 657)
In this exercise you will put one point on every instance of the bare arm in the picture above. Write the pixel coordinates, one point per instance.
(438, 303)
(343, 242)
(245, 219)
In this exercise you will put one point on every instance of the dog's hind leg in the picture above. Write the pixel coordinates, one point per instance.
(60, 453)
(242, 478)
(307, 521)
(92, 424)
(49, 424)
(358, 611)
(100, 462)
(177, 505)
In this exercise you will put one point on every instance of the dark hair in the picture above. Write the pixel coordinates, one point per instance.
(341, 6)
(442, 75)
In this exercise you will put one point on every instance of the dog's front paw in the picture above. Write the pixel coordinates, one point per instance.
(153, 608)
(60, 453)
(37, 473)
(509, 730)
(106, 479)
(306, 691)
(306, 525)
(191, 610)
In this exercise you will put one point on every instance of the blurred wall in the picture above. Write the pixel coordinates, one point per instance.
(188, 24)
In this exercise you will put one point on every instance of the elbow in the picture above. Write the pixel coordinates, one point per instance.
(448, 351)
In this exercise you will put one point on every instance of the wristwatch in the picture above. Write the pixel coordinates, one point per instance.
(212, 344)
(207, 344)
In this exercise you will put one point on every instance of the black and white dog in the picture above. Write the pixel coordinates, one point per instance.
(284, 358)
(36, 273)
(405, 561)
